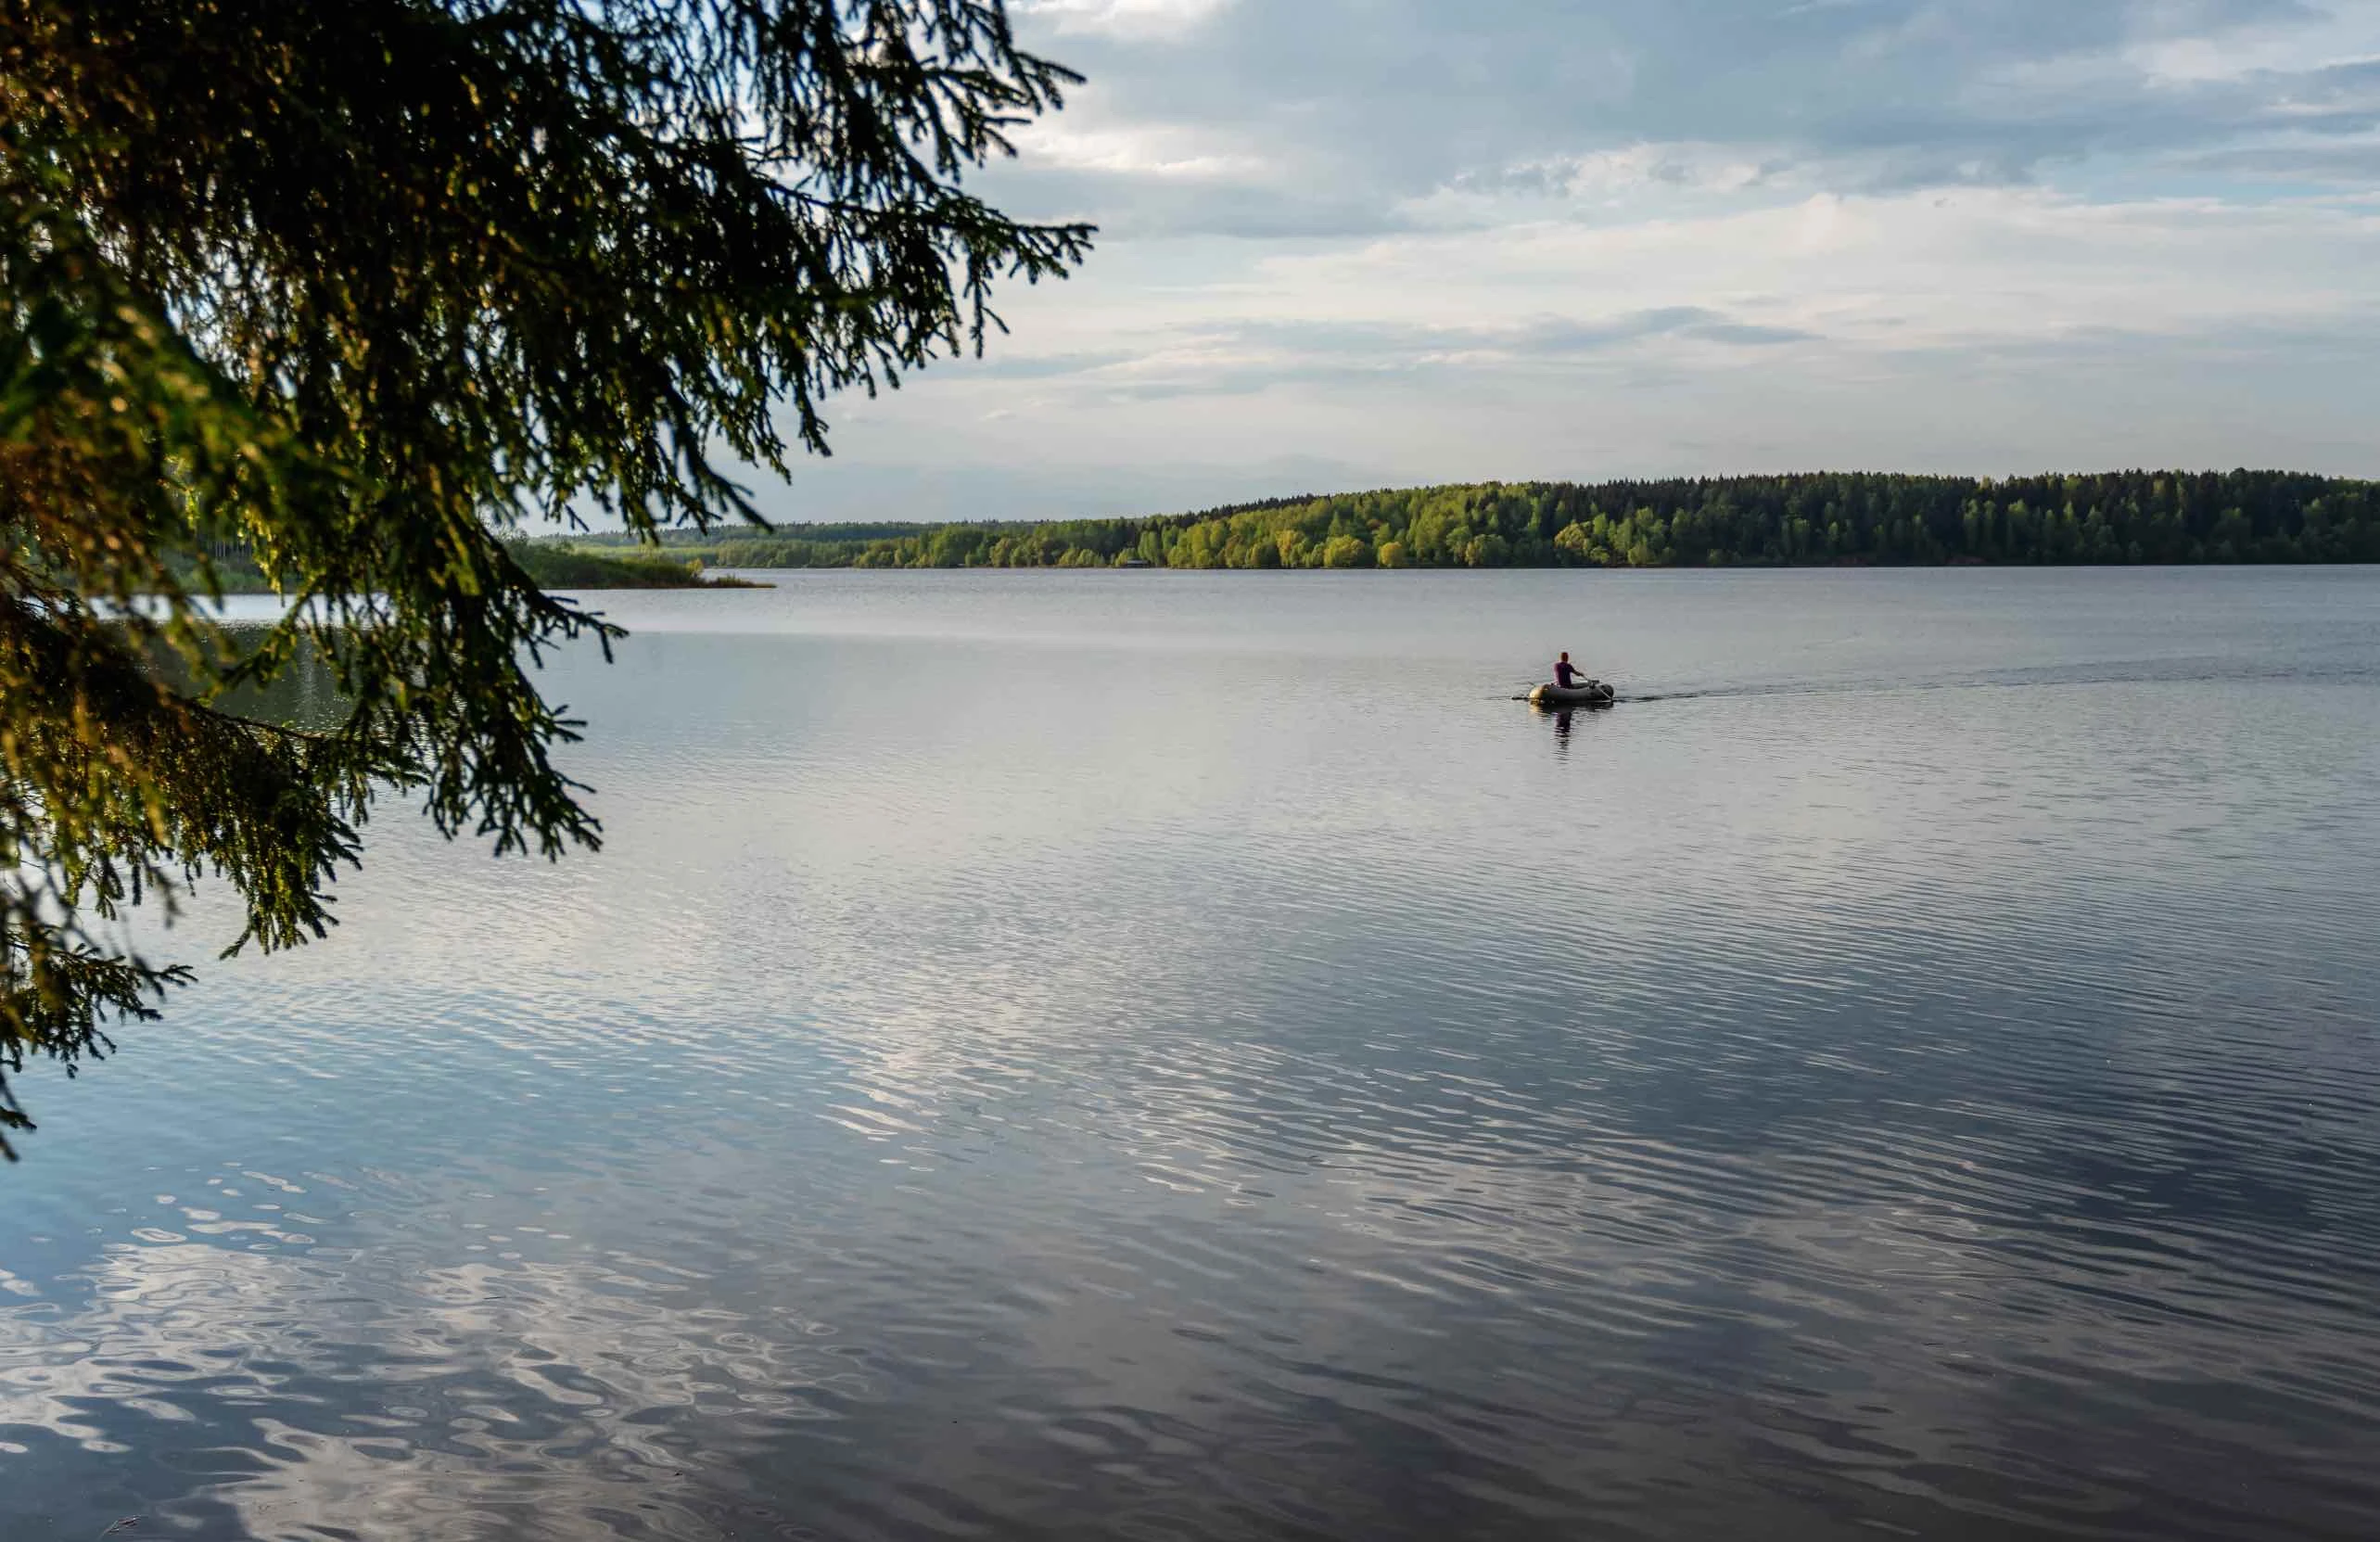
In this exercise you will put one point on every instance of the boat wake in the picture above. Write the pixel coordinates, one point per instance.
(2176, 671)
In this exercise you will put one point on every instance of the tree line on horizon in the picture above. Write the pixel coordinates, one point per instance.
(1801, 520)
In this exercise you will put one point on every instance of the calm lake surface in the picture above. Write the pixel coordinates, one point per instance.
(1186, 1055)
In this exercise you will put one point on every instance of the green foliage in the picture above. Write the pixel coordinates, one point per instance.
(358, 289)
(563, 567)
(549, 565)
(2130, 516)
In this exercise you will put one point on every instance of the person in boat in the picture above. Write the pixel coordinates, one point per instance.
(1566, 675)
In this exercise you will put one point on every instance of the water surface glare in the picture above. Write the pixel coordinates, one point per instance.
(1168, 1055)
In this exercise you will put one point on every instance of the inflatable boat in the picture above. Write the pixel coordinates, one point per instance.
(1593, 693)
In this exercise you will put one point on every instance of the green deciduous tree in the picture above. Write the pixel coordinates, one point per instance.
(1347, 551)
(1826, 518)
(354, 290)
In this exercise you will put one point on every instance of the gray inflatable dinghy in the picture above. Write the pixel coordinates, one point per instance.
(1593, 693)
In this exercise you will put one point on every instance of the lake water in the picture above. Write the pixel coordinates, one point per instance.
(1187, 1055)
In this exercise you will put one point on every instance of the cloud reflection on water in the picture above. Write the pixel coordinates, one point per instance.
(1170, 1091)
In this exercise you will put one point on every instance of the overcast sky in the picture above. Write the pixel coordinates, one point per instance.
(1360, 243)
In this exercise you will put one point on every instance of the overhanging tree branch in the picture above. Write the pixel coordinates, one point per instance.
(355, 288)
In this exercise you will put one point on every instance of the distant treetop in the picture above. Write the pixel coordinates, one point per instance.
(1809, 519)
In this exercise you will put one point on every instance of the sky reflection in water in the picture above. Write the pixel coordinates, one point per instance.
(1187, 1055)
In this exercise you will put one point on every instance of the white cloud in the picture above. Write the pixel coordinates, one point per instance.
(1131, 19)
(1970, 267)
(1136, 149)
(1419, 241)
(2177, 42)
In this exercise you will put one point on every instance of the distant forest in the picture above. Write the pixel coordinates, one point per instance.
(552, 563)
(1841, 520)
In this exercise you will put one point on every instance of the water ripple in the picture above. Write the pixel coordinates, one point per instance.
(1911, 1068)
